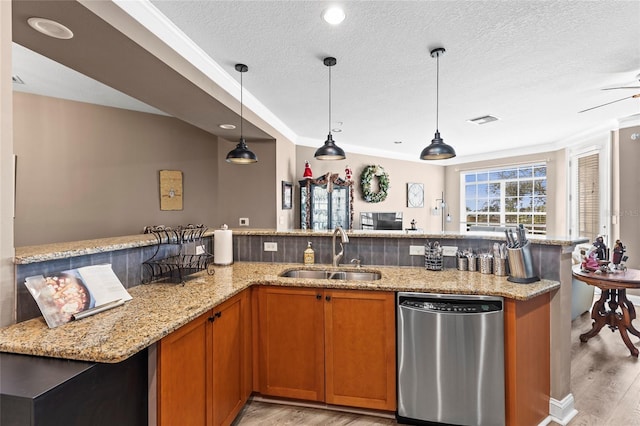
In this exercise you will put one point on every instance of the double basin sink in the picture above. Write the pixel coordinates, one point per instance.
(324, 274)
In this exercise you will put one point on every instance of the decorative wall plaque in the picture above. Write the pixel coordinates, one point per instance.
(170, 190)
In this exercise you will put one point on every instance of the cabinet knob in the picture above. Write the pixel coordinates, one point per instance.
(318, 296)
(211, 319)
(218, 314)
(327, 298)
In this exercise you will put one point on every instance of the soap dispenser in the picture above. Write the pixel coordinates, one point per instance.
(309, 255)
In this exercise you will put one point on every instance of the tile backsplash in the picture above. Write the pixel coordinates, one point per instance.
(387, 251)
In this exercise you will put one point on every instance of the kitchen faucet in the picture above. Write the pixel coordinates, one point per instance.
(345, 240)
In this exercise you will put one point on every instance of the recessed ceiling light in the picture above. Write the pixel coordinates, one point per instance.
(50, 28)
(397, 142)
(483, 120)
(227, 126)
(333, 15)
(16, 79)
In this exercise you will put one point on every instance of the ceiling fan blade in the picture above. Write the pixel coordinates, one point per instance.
(609, 103)
(625, 87)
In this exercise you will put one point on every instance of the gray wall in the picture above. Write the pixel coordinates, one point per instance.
(87, 171)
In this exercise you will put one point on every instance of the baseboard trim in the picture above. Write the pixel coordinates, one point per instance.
(562, 411)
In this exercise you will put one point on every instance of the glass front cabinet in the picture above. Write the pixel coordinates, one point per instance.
(326, 202)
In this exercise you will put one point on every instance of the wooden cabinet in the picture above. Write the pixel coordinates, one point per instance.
(326, 202)
(183, 374)
(291, 342)
(204, 368)
(341, 339)
(231, 358)
(527, 360)
(360, 342)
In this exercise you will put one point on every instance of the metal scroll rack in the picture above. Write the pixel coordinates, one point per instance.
(170, 262)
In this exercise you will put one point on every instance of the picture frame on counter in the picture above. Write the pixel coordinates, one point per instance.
(287, 195)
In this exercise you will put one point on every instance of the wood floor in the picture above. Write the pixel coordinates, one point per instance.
(605, 382)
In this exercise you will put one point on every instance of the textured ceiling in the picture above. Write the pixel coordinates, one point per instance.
(533, 64)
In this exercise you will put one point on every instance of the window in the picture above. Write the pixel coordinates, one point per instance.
(506, 197)
(588, 193)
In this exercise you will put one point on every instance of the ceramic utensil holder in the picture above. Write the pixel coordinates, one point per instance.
(521, 265)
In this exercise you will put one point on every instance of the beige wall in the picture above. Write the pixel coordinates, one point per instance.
(628, 214)
(285, 171)
(7, 280)
(87, 171)
(400, 173)
(247, 191)
(556, 186)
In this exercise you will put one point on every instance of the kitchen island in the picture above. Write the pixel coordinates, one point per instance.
(168, 315)
(111, 338)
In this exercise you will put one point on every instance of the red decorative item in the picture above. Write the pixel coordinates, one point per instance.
(348, 173)
(307, 170)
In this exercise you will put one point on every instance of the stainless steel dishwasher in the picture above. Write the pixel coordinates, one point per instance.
(450, 359)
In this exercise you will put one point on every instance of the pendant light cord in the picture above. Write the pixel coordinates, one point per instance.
(329, 100)
(437, 91)
(241, 104)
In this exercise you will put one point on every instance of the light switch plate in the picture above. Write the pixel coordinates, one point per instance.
(244, 221)
(416, 250)
(270, 246)
(449, 250)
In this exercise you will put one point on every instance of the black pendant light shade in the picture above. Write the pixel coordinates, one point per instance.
(437, 150)
(241, 154)
(330, 151)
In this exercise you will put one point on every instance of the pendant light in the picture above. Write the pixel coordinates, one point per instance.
(241, 154)
(329, 151)
(437, 150)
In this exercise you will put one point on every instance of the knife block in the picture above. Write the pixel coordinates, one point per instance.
(521, 265)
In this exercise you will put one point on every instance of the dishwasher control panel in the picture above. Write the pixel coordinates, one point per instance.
(457, 306)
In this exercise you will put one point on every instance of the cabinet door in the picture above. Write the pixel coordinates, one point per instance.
(291, 343)
(230, 358)
(360, 349)
(340, 207)
(319, 207)
(184, 375)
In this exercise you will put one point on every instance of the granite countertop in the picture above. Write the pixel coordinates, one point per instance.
(159, 309)
(63, 250)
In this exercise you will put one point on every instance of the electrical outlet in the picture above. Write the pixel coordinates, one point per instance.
(449, 250)
(416, 250)
(270, 246)
(244, 221)
(199, 249)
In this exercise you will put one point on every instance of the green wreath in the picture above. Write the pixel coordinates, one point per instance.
(365, 184)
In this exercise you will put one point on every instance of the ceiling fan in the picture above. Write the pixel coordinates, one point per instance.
(617, 100)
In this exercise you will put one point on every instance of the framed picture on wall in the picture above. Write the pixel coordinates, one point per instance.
(287, 195)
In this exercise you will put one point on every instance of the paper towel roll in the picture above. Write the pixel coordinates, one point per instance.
(222, 247)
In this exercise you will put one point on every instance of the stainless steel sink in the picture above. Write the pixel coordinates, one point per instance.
(332, 275)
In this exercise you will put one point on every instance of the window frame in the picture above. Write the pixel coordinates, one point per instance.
(518, 179)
